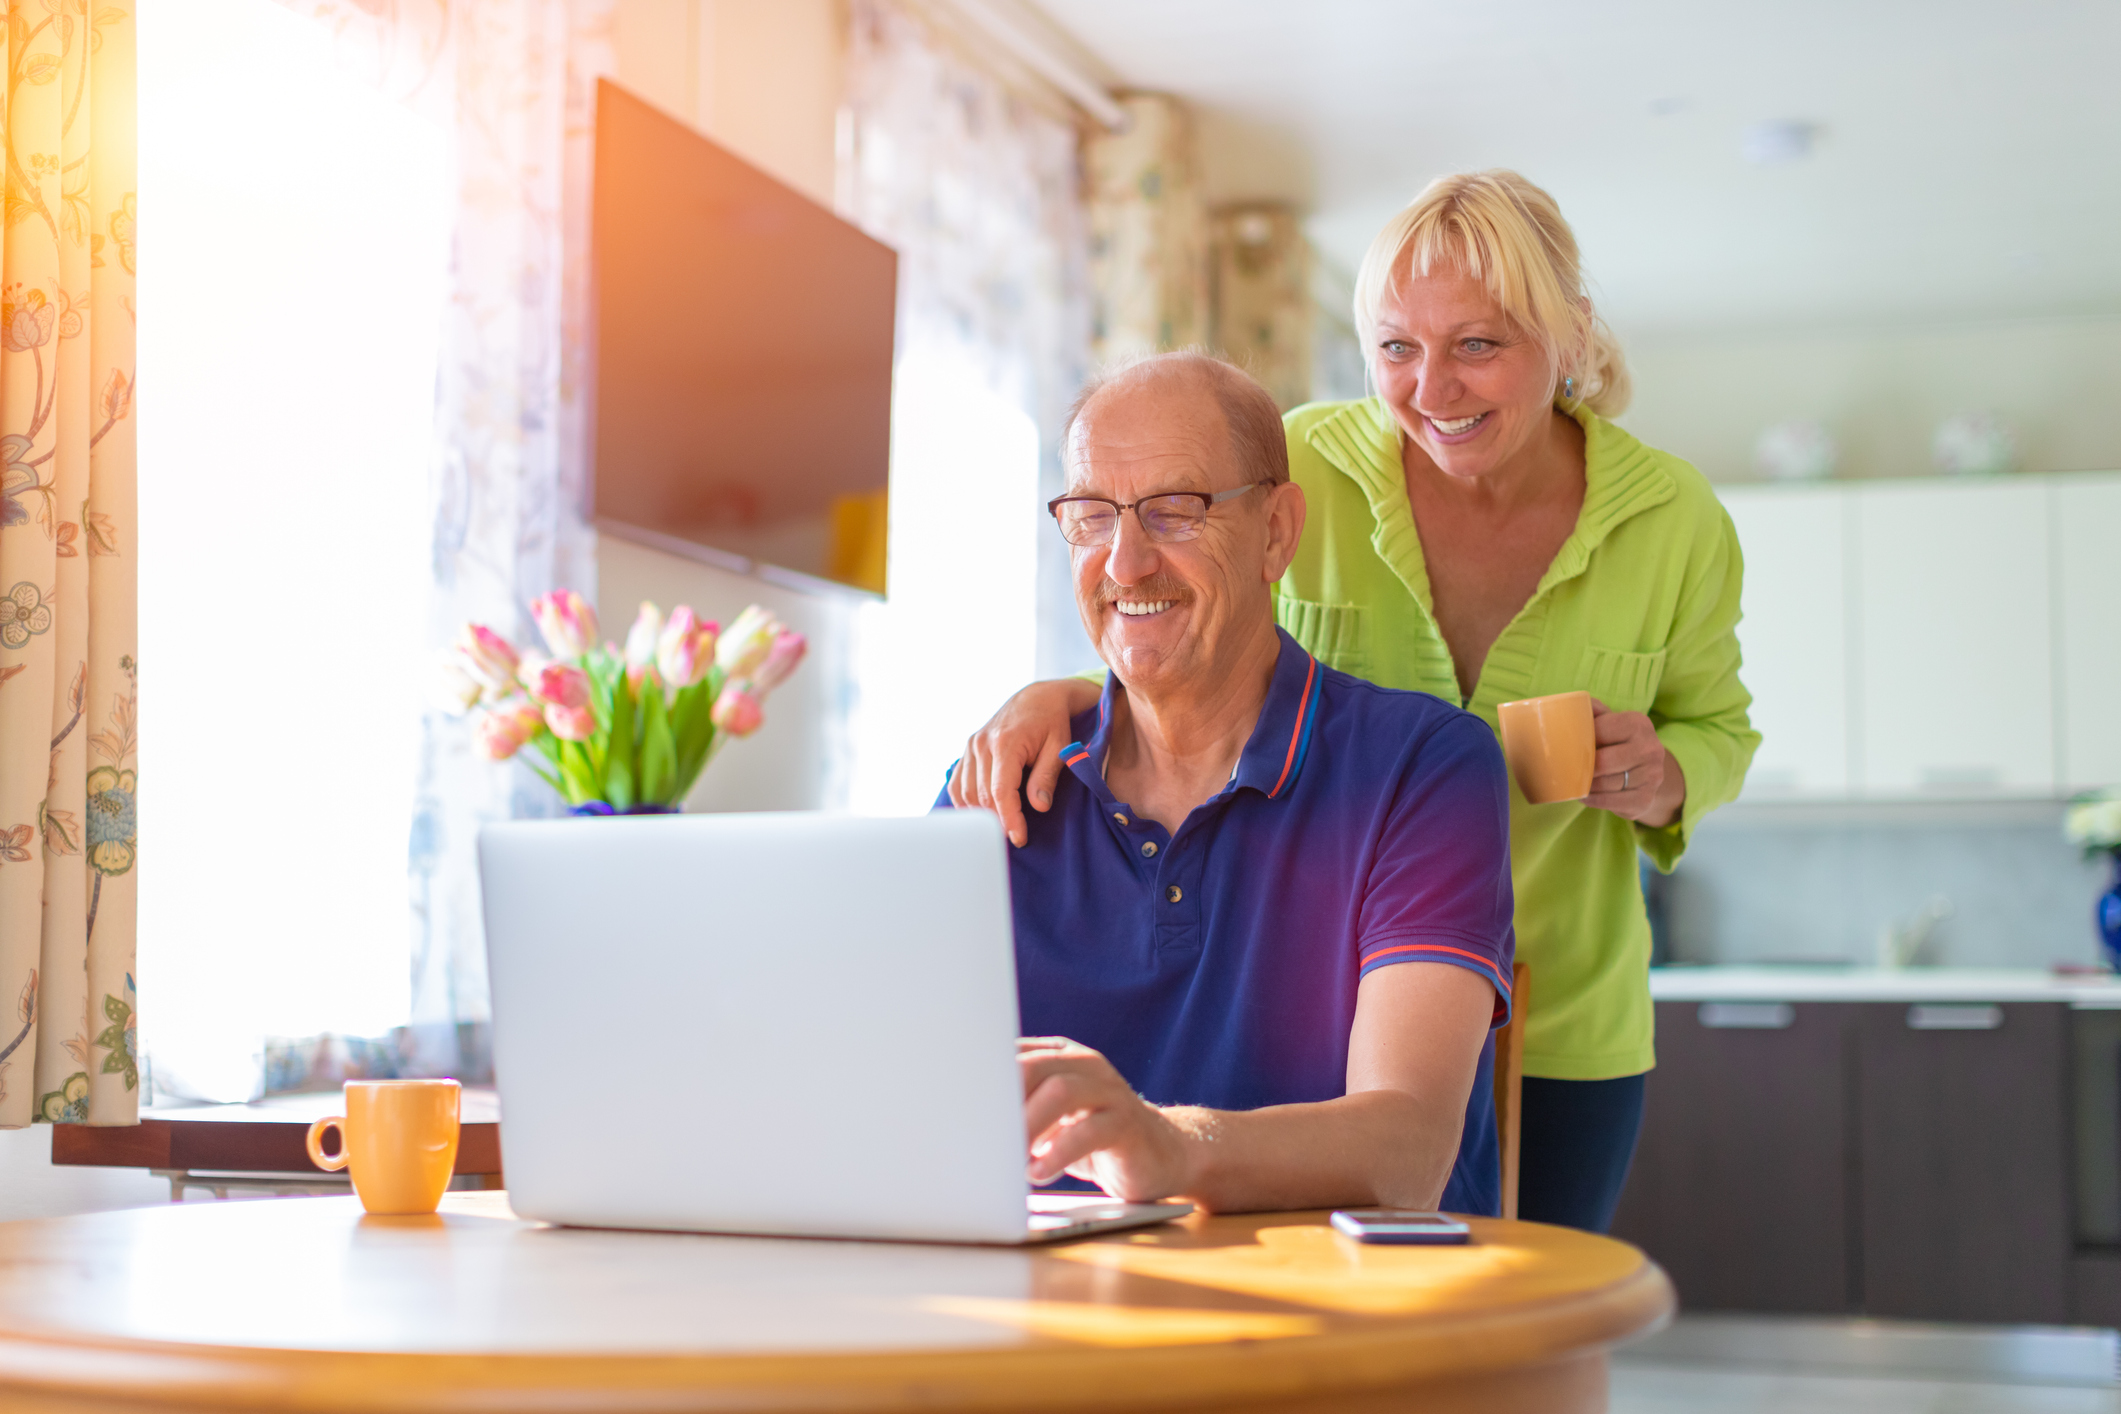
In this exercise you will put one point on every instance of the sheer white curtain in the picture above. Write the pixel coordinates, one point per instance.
(514, 82)
(467, 128)
(978, 190)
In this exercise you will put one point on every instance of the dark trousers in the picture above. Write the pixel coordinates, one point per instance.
(1577, 1139)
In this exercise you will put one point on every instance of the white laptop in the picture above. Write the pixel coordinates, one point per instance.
(796, 1024)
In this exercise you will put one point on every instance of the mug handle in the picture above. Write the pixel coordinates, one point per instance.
(330, 1163)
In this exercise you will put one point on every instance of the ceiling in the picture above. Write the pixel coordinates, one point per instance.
(1967, 161)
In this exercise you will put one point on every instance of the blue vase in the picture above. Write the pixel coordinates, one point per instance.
(2109, 916)
(599, 807)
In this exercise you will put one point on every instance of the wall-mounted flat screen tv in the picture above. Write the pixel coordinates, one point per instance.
(742, 359)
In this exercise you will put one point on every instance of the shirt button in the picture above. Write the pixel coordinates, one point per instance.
(1148, 849)
(1119, 817)
(1174, 893)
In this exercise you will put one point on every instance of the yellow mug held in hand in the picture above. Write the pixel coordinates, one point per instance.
(400, 1139)
(1551, 745)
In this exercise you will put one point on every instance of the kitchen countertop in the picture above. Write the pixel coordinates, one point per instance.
(1881, 984)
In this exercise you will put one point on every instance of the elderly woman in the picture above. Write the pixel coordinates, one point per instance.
(1478, 530)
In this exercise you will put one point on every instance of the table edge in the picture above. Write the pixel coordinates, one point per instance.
(1371, 1355)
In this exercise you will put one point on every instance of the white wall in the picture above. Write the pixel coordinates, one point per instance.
(32, 1187)
(761, 77)
(797, 760)
(1882, 392)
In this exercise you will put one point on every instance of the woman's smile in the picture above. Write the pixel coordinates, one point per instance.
(1453, 430)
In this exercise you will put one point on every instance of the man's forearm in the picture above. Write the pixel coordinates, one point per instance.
(1383, 1147)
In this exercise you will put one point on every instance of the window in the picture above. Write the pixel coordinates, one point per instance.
(292, 282)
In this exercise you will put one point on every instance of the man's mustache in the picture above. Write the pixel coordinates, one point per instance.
(1155, 588)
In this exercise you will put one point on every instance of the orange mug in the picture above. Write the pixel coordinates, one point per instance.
(400, 1139)
(1551, 746)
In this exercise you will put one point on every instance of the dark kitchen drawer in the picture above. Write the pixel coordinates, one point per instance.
(1963, 1117)
(1741, 1180)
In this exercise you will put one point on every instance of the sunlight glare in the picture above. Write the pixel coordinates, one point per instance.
(292, 281)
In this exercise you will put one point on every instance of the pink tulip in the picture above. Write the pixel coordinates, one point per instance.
(781, 659)
(500, 735)
(488, 657)
(562, 685)
(747, 642)
(641, 639)
(737, 710)
(685, 648)
(567, 621)
(570, 723)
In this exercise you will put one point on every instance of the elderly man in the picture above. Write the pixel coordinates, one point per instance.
(1263, 932)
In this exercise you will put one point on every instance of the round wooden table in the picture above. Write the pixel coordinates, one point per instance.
(307, 1304)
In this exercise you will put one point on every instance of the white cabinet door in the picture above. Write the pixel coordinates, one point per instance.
(1954, 652)
(2087, 519)
(1795, 637)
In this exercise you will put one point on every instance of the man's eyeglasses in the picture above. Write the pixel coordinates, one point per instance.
(1089, 521)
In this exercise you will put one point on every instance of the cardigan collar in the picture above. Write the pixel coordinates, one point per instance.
(1622, 479)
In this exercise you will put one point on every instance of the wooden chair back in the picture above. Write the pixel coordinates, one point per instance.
(1509, 1083)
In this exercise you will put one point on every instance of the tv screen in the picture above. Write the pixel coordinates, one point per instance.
(742, 358)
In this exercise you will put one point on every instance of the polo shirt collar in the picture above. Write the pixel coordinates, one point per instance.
(1274, 754)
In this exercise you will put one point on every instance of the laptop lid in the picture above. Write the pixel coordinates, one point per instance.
(780, 1023)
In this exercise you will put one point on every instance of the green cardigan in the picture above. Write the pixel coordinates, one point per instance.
(1640, 607)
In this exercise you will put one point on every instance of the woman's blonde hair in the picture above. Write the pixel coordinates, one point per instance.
(1508, 234)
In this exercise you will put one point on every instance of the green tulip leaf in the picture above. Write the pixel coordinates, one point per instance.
(693, 716)
(619, 778)
(581, 782)
(658, 750)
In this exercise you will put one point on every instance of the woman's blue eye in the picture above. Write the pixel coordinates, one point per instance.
(1477, 345)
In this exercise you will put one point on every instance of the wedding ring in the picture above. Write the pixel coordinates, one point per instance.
(1624, 780)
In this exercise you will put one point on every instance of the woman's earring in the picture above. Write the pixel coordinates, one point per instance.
(1568, 387)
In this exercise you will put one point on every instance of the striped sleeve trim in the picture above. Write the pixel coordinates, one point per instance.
(1444, 953)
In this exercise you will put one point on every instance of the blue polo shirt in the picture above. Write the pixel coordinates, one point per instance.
(1217, 966)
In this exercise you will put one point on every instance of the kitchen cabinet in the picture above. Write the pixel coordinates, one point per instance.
(1794, 638)
(1963, 1151)
(1912, 1159)
(1739, 1182)
(1954, 664)
(1932, 640)
(2087, 576)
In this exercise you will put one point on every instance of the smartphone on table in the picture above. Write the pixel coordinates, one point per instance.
(1403, 1225)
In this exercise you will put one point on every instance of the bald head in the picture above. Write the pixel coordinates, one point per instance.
(1185, 379)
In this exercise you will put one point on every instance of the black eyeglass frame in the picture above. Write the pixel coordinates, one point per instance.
(1206, 500)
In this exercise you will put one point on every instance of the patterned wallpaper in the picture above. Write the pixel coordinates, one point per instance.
(1148, 232)
(1261, 283)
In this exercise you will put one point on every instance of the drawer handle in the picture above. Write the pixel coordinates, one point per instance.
(1954, 1018)
(1747, 1016)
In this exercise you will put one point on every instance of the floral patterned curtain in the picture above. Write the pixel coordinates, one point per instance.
(514, 81)
(68, 677)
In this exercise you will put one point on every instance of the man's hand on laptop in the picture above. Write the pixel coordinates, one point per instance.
(1083, 1118)
(1413, 1057)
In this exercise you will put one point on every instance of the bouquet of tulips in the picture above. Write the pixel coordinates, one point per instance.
(622, 730)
